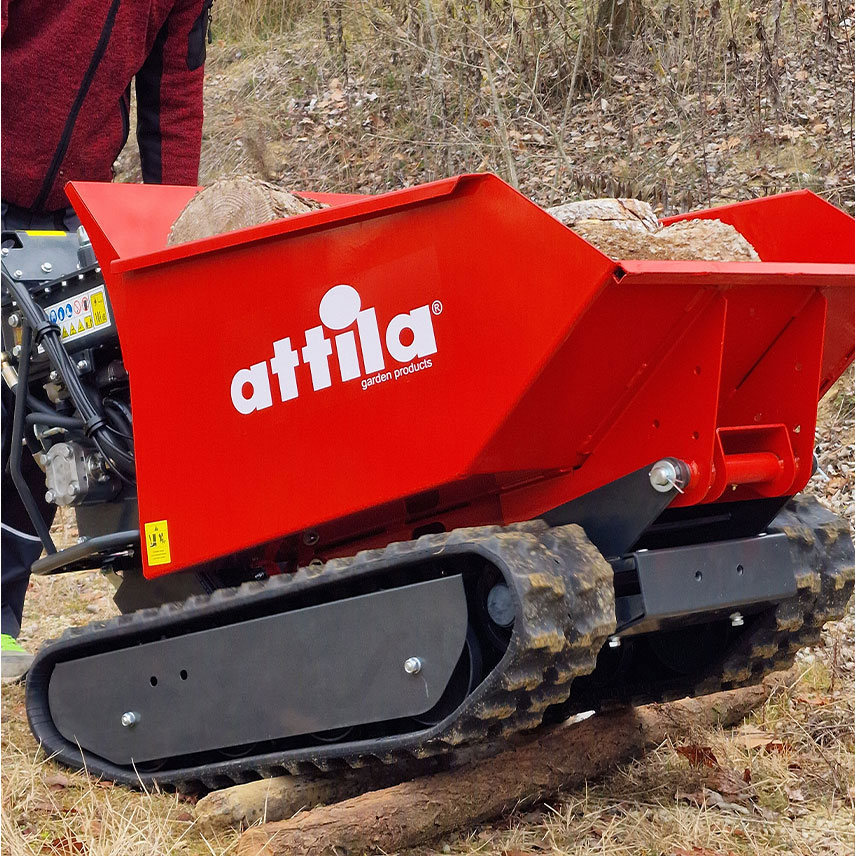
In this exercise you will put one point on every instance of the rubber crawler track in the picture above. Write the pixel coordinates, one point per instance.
(565, 611)
(822, 550)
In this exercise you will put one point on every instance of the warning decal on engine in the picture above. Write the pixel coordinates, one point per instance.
(84, 313)
(157, 543)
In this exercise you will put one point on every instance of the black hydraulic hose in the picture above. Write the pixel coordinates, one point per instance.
(34, 404)
(16, 454)
(54, 420)
(122, 416)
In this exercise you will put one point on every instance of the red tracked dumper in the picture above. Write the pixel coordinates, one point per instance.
(417, 470)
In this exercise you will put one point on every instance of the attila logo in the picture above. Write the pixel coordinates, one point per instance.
(340, 308)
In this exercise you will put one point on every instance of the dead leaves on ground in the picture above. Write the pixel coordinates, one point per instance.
(728, 789)
(700, 851)
(698, 756)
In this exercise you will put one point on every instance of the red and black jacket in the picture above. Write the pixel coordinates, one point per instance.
(66, 87)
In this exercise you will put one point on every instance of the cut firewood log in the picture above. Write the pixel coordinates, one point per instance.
(235, 203)
(626, 214)
(412, 813)
(629, 229)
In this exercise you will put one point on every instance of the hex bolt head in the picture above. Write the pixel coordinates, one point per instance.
(82, 366)
(18, 274)
(53, 377)
(47, 267)
(614, 641)
(413, 665)
(49, 496)
(5, 251)
(74, 489)
(736, 619)
(14, 320)
(130, 718)
(16, 351)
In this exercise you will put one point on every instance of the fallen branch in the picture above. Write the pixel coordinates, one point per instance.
(414, 812)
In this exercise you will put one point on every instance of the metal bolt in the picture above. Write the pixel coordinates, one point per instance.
(736, 619)
(16, 351)
(500, 605)
(311, 538)
(614, 642)
(47, 267)
(53, 377)
(49, 496)
(82, 366)
(67, 453)
(14, 320)
(413, 665)
(18, 274)
(663, 476)
(74, 489)
(82, 539)
(5, 251)
(130, 718)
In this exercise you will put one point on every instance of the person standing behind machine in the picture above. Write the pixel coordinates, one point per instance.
(67, 72)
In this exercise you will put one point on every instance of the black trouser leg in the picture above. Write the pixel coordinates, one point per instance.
(20, 546)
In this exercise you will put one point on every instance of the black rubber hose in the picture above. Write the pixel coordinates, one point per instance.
(54, 420)
(16, 453)
(34, 404)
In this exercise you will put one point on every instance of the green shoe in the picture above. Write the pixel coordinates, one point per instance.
(14, 660)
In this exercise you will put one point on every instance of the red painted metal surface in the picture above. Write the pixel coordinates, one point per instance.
(520, 366)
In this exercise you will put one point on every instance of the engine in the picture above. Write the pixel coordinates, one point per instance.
(60, 342)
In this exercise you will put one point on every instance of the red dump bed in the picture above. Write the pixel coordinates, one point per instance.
(451, 355)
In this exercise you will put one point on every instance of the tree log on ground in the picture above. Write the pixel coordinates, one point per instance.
(414, 812)
(283, 796)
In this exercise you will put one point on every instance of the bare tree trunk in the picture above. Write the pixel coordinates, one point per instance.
(414, 812)
(615, 20)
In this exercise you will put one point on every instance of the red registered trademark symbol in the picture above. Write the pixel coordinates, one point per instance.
(436, 307)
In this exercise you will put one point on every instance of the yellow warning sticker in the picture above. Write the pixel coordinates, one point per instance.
(99, 310)
(157, 543)
(46, 233)
(81, 314)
